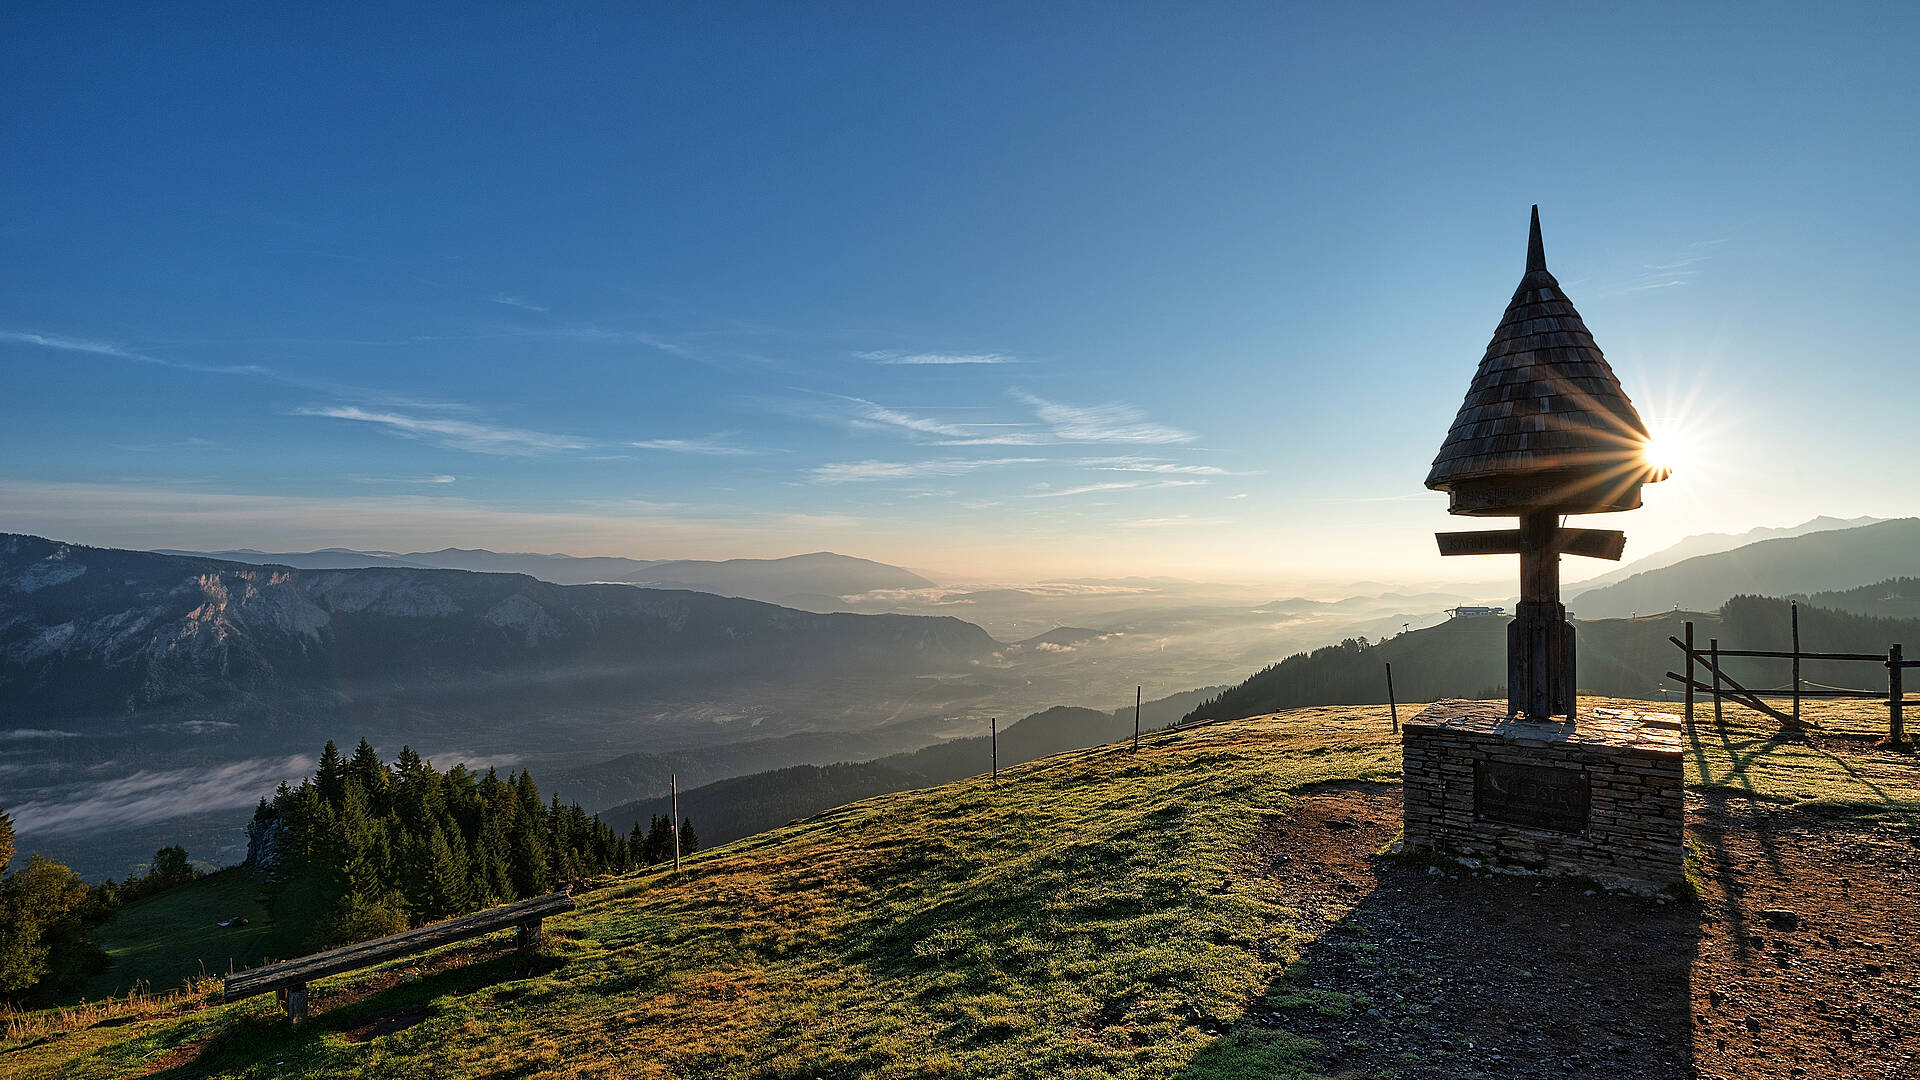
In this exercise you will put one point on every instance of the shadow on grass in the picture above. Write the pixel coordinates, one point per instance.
(260, 1042)
(1439, 975)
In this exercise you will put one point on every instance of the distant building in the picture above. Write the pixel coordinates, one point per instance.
(1471, 611)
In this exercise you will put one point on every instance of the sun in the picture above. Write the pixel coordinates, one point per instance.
(1665, 453)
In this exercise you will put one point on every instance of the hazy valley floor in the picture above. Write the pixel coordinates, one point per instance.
(1189, 911)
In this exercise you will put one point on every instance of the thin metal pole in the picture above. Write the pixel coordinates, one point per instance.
(1713, 645)
(993, 733)
(674, 780)
(1688, 648)
(1896, 694)
(1136, 719)
(1794, 607)
(1393, 710)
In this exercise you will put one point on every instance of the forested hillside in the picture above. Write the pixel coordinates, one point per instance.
(1815, 562)
(1615, 657)
(746, 805)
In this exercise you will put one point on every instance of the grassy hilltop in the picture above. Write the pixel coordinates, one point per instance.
(1093, 914)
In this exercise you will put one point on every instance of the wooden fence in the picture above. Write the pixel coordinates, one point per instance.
(1725, 687)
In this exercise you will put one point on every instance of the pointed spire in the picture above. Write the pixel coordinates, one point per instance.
(1536, 252)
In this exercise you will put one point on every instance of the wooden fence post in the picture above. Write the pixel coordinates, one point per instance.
(1393, 710)
(1896, 693)
(993, 734)
(527, 935)
(1713, 647)
(674, 779)
(1688, 649)
(1136, 719)
(1794, 607)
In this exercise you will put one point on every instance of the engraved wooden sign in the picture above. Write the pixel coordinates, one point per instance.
(1535, 796)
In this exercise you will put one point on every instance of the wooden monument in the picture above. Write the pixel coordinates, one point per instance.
(1546, 431)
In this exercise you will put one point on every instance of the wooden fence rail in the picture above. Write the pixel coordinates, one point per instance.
(1724, 686)
(292, 976)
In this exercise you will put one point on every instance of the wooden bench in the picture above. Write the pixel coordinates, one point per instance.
(292, 976)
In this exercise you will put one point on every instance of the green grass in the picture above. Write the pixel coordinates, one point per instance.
(1747, 756)
(171, 937)
(1091, 915)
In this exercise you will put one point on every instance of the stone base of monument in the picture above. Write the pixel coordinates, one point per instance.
(1601, 796)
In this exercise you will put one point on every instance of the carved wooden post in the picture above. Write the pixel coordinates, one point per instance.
(993, 739)
(1393, 710)
(1896, 692)
(1794, 607)
(1545, 431)
(674, 779)
(1713, 648)
(1136, 719)
(1688, 649)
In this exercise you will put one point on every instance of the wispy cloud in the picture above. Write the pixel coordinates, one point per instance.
(1118, 485)
(457, 434)
(142, 514)
(1109, 423)
(92, 347)
(515, 302)
(1177, 521)
(847, 472)
(900, 358)
(1088, 489)
(95, 347)
(1153, 465)
(1675, 271)
(441, 478)
(692, 446)
(872, 416)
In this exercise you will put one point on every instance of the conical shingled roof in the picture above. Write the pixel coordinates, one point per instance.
(1545, 425)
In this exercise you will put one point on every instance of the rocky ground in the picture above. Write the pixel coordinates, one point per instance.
(1801, 959)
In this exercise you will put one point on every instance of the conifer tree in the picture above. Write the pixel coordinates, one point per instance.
(331, 776)
(6, 840)
(659, 839)
(689, 843)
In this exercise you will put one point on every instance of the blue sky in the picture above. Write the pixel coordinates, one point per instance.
(985, 290)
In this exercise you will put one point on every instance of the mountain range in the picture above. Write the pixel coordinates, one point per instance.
(1821, 561)
(813, 582)
(1712, 544)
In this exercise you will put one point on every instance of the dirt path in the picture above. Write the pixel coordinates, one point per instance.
(1802, 960)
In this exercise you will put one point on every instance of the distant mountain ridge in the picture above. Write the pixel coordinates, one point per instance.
(109, 635)
(819, 577)
(1617, 657)
(1713, 544)
(1823, 561)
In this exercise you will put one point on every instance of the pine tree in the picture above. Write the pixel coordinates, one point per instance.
(366, 769)
(527, 856)
(659, 839)
(6, 840)
(444, 874)
(331, 776)
(689, 843)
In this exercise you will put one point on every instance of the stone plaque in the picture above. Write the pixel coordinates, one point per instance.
(1536, 796)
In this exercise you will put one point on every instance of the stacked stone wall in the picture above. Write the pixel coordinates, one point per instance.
(1635, 821)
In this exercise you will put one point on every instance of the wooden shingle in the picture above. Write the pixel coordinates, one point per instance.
(1545, 423)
